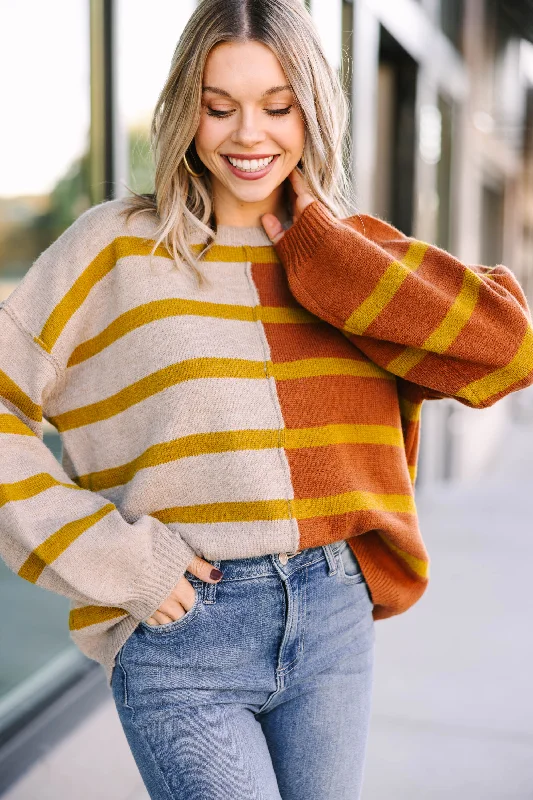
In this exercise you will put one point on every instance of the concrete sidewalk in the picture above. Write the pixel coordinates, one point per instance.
(453, 703)
(453, 706)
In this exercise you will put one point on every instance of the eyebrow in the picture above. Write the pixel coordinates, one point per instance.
(272, 90)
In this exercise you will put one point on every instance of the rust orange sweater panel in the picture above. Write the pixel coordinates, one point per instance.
(439, 327)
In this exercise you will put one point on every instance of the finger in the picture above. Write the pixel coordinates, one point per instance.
(151, 621)
(301, 196)
(175, 608)
(161, 618)
(297, 181)
(183, 592)
(204, 570)
(273, 227)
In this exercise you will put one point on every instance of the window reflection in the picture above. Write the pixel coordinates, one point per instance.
(44, 187)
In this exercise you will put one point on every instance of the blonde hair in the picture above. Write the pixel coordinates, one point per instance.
(183, 203)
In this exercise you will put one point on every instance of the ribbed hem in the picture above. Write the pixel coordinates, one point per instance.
(171, 556)
(302, 239)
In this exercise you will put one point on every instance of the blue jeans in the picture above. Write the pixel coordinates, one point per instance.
(262, 690)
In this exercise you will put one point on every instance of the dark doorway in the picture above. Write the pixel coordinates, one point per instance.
(400, 139)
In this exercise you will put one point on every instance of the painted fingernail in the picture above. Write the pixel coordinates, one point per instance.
(216, 574)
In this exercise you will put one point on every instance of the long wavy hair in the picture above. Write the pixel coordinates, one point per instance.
(183, 203)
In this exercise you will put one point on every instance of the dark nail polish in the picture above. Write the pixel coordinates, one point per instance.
(216, 574)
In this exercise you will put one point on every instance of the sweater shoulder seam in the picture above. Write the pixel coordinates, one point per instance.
(34, 339)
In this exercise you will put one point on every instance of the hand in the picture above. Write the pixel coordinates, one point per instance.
(181, 598)
(300, 197)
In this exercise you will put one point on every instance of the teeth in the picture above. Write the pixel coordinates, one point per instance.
(250, 165)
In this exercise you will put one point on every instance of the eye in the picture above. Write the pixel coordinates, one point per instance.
(213, 112)
(279, 111)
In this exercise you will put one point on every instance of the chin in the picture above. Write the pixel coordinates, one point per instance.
(255, 197)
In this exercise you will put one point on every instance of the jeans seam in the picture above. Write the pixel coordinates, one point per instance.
(125, 696)
(301, 622)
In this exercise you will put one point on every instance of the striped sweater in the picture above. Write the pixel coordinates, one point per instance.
(275, 408)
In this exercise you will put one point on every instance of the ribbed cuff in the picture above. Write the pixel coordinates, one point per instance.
(302, 239)
(170, 558)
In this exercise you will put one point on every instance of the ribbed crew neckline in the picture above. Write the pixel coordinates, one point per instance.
(235, 235)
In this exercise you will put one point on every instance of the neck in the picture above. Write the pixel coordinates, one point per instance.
(230, 211)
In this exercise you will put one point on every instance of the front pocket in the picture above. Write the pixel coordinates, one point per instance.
(168, 627)
(349, 567)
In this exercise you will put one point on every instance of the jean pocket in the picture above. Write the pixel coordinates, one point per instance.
(349, 567)
(170, 627)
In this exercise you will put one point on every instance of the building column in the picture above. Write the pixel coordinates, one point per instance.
(365, 60)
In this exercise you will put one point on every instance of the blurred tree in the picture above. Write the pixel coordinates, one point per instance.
(29, 230)
(141, 161)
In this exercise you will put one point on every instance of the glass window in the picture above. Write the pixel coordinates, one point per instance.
(451, 18)
(145, 45)
(43, 189)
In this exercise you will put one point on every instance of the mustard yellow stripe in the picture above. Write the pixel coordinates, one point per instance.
(122, 247)
(343, 434)
(11, 391)
(244, 511)
(223, 441)
(29, 487)
(501, 379)
(447, 331)
(305, 508)
(92, 615)
(194, 445)
(418, 565)
(412, 472)
(156, 382)
(458, 315)
(407, 359)
(386, 288)
(311, 367)
(409, 410)
(281, 314)
(262, 254)
(75, 296)
(160, 309)
(98, 268)
(11, 424)
(201, 368)
(56, 544)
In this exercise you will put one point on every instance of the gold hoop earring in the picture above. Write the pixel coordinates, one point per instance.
(190, 171)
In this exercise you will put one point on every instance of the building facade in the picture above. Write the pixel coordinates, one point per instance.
(441, 146)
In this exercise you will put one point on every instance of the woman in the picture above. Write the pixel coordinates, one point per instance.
(236, 367)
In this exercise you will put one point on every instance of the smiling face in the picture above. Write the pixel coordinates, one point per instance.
(249, 115)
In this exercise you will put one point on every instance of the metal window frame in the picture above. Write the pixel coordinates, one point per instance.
(60, 704)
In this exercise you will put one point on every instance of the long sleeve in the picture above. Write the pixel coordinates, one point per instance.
(412, 308)
(54, 533)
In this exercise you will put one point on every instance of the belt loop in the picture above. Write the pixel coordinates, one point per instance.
(331, 558)
(210, 589)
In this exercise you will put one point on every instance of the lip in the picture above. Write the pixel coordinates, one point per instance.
(249, 156)
(250, 176)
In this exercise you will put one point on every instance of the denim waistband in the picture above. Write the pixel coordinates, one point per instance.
(258, 566)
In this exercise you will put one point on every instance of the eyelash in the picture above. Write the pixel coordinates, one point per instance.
(212, 112)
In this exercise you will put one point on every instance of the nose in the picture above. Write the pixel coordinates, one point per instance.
(248, 131)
